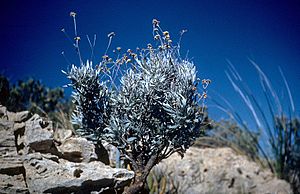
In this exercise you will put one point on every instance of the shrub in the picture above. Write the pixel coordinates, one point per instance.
(91, 101)
(155, 111)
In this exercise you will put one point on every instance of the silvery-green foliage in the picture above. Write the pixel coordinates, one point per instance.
(90, 97)
(148, 107)
(157, 110)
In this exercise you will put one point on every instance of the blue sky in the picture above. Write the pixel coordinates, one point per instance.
(264, 31)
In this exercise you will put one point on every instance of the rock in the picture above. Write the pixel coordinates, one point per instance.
(12, 184)
(38, 135)
(11, 164)
(19, 116)
(60, 135)
(3, 113)
(219, 170)
(10, 161)
(78, 149)
(14, 117)
(19, 130)
(114, 156)
(19, 127)
(6, 125)
(7, 134)
(32, 161)
(45, 175)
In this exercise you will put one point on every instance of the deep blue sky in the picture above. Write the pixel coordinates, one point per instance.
(266, 31)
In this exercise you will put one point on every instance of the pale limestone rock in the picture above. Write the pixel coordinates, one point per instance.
(78, 149)
(3, 113)
(13, 117)
(38, 135)
(19, 116)
(10, 161)
(219, 170)
(60, 135)
(11, 164)
(13, 184)
(26, 152)
(49, 175)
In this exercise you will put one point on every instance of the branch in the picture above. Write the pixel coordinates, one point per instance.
(134, 164)
(170, 152)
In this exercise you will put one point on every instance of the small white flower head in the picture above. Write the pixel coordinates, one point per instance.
(156, 37)
(155, 22)
(77, 38)
(73, 14)
(111, 34)
(166, 33)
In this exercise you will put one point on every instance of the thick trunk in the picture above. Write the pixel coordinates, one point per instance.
(138, 186)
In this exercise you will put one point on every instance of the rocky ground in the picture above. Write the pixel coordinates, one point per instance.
(36, 159)
(219, 170)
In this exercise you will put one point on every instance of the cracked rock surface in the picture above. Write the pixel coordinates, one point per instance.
(219, 170)
(48, 174)
(35, 158)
